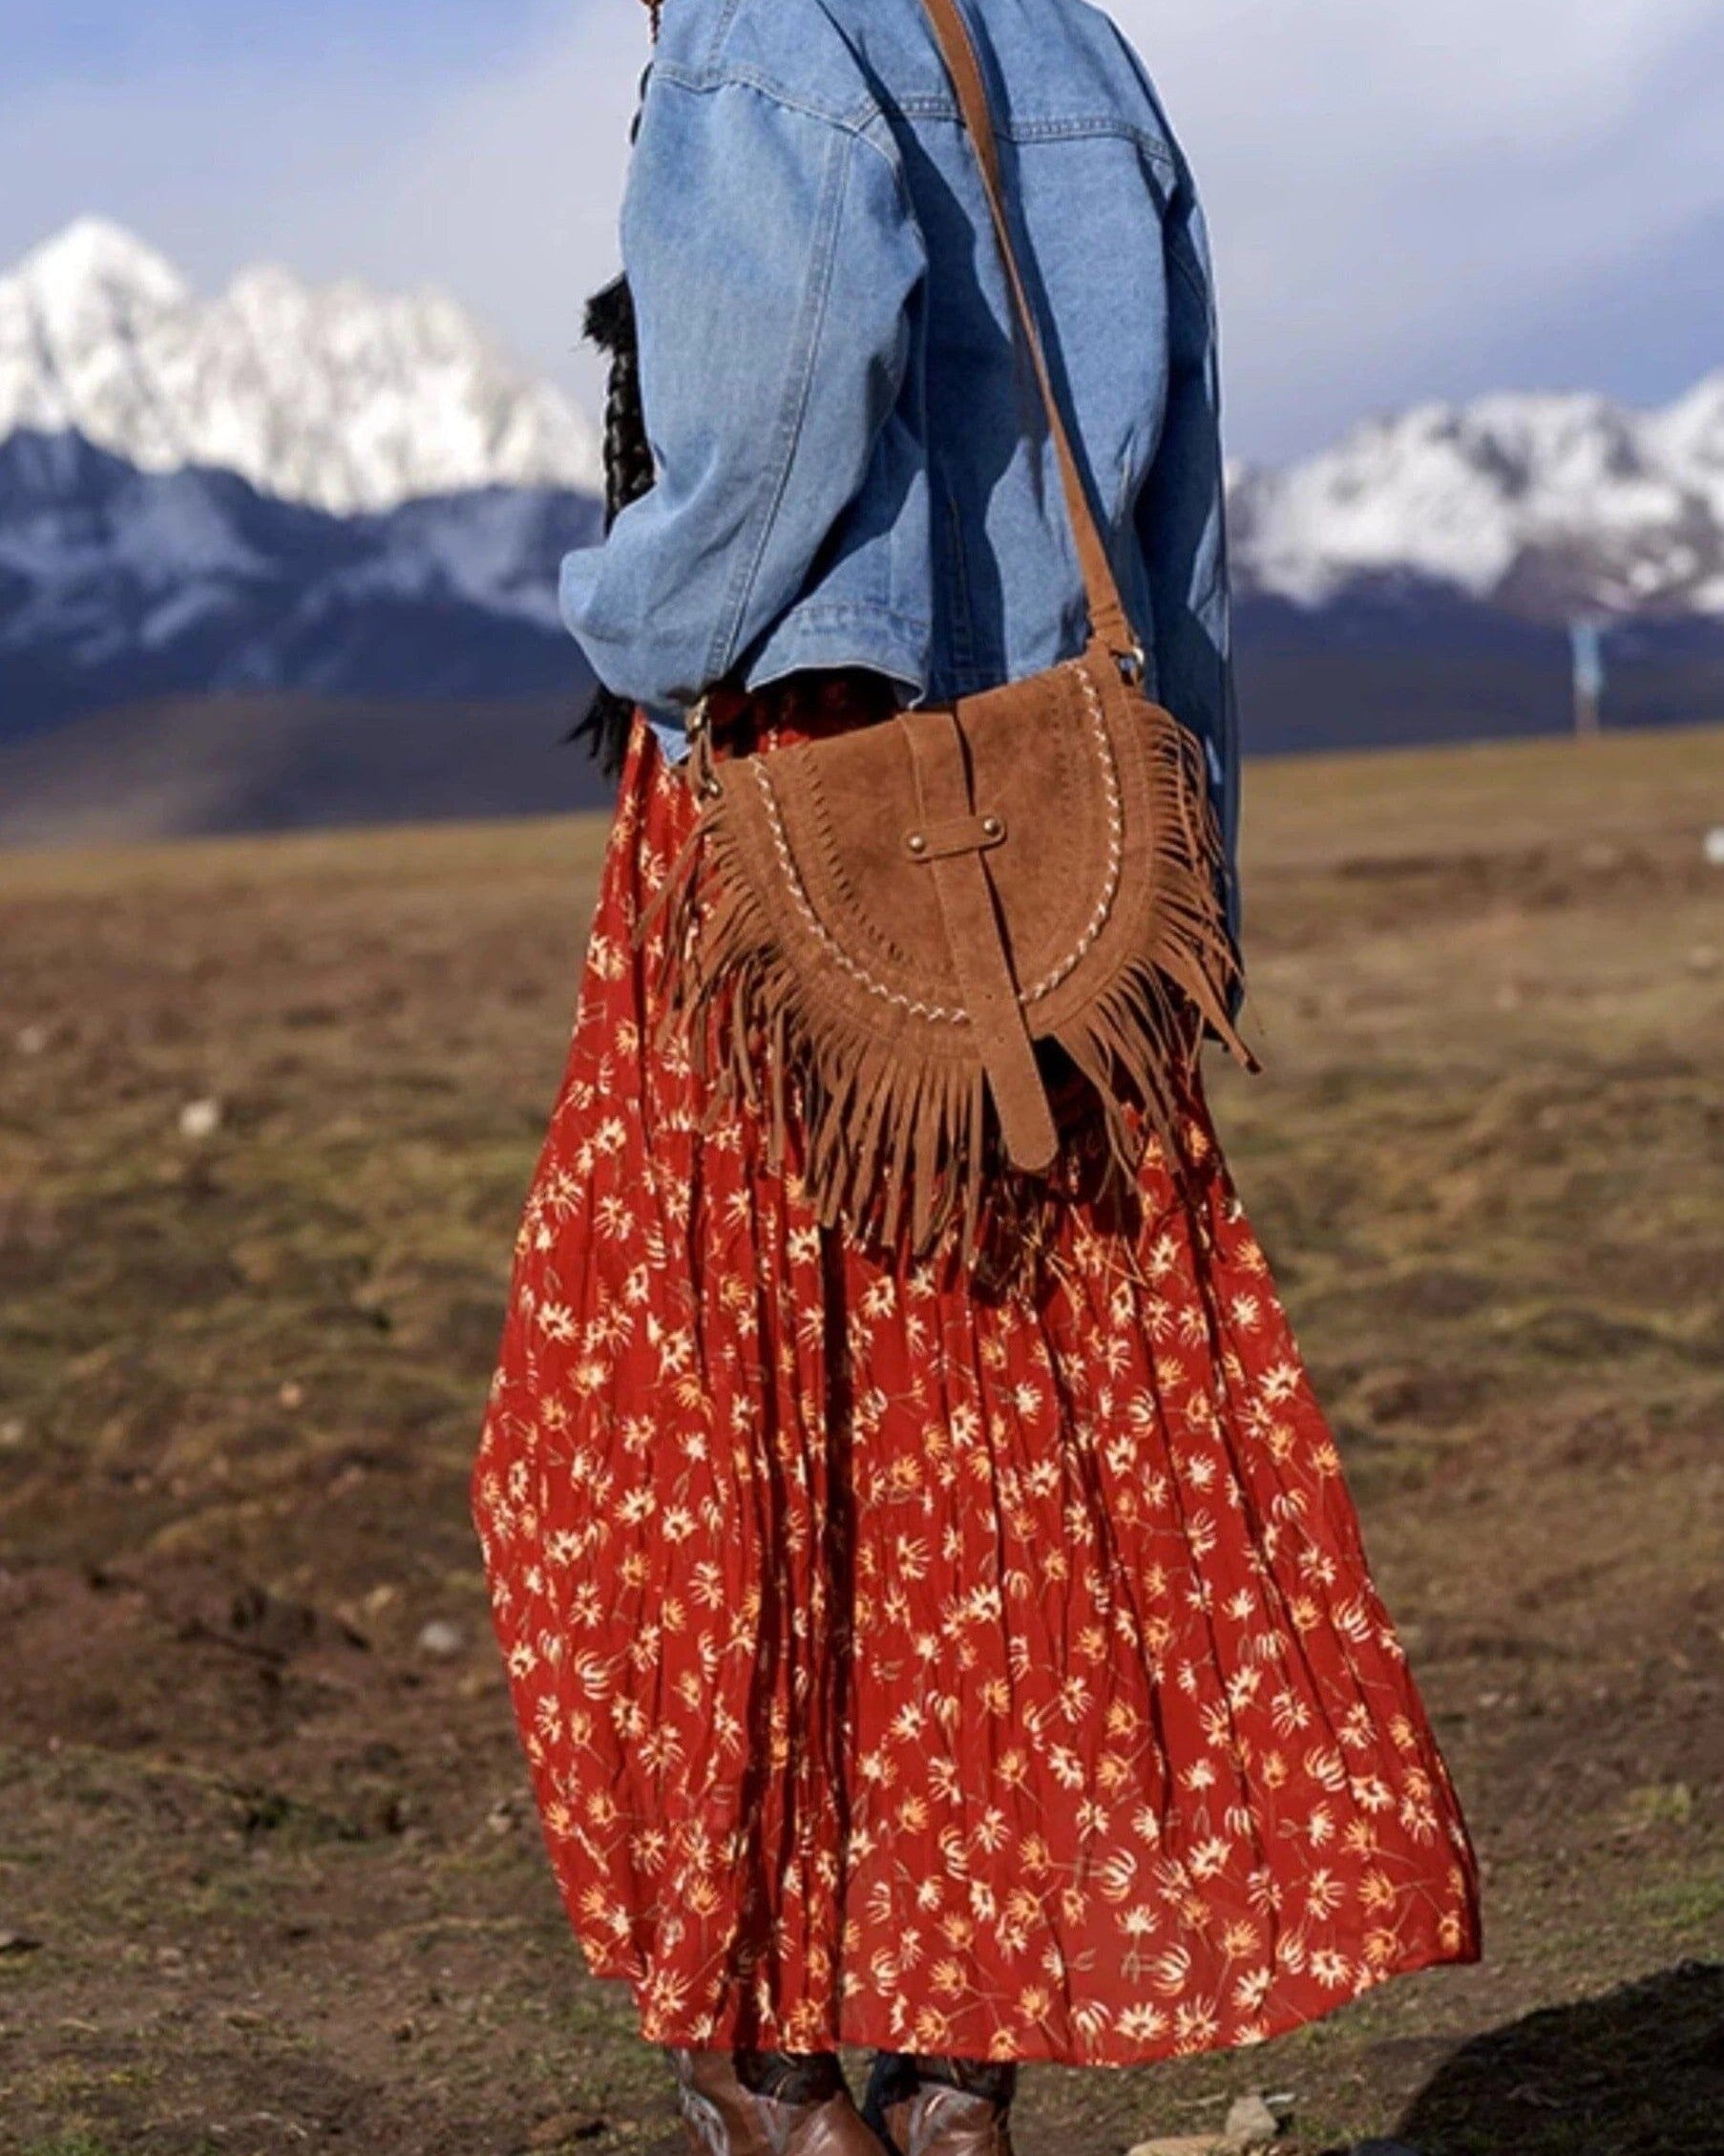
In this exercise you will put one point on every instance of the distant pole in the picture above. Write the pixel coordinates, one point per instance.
(1586, 639)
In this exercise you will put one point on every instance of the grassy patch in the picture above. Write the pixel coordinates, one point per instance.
(283, 1863)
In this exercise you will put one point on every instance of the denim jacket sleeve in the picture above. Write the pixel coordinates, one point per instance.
(772, 253)
(1181, 527)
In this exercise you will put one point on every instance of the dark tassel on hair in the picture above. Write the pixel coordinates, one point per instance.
(609, 720)
(628, 474)
(628, 458)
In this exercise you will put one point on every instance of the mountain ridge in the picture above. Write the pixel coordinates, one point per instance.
(1547, 503)
(119, 584)
(336, 396)
(224, 622)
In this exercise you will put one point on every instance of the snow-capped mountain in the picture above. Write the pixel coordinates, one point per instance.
(119, 584)
(321, 495)
(350, 402)
(1543, 505)
(338, 397)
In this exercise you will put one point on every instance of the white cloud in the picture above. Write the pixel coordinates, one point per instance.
(1386, 183)
(503, 190)
(1473, 73)
(512, 191)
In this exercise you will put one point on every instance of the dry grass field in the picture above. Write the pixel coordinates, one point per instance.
(269, 1881)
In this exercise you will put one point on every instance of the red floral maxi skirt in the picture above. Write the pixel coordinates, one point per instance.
(906, 1666)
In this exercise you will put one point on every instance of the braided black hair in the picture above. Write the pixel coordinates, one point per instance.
(628, 458)
(628, 474)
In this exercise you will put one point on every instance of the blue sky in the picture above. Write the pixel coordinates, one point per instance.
(46, 38)
(1406, 200)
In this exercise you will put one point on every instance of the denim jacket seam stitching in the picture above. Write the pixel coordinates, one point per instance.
(732, 74)
(1085, 130)
(860, 118)
(1017, 130)
(889, 152)
(840, 610)
(723, 650)
(721, 29)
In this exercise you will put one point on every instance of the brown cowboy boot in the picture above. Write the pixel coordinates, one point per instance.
(922, 2104)
(767, 2104)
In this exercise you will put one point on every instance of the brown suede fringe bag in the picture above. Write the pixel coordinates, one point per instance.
(890, 920)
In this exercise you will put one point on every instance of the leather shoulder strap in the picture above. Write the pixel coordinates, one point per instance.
(1107, 616)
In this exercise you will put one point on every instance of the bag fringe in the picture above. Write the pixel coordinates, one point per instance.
(902, 1150)
(1139, 1043)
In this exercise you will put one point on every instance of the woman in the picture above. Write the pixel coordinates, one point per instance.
(975, 1670)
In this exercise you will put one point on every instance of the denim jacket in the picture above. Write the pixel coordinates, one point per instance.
(853, 466)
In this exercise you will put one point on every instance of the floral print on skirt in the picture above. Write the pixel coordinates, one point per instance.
(903, 1665)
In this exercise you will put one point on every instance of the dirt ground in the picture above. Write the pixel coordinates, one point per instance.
(269, 1880)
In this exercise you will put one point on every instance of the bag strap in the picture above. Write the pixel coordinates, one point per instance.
(1107, 617)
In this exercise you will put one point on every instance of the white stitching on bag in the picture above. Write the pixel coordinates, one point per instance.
(1116, 844)
(1097, 920)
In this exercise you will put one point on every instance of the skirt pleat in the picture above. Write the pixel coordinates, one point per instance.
(898, 1663)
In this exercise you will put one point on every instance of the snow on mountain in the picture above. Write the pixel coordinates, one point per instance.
(1690, 436)
(338, 397)
(1545, 504)
(117, 584)
(332, 492)
(348, 401)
